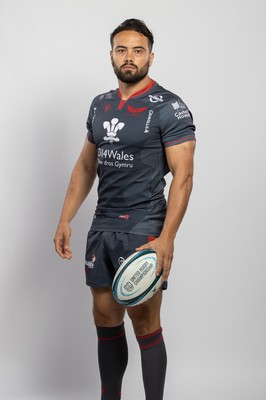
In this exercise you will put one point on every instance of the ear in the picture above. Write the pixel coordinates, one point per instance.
(111, 55)
(151, 57)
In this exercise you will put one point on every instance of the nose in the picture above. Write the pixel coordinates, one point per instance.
(128, 57)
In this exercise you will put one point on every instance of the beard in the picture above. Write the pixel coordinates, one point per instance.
(131, 76)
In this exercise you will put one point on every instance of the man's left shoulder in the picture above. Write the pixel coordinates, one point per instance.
(169, 96)
(165, 98)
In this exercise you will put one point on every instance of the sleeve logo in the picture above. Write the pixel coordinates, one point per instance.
(181, 110)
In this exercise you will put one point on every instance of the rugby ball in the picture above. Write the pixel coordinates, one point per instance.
(135, 280)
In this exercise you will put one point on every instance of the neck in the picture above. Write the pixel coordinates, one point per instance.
(128, 89)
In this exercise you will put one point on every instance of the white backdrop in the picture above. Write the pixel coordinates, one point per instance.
(54, 60)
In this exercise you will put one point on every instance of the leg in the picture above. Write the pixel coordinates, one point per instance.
(147, 326)
(112, 345)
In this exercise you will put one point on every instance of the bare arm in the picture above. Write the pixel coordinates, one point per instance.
(82, 178)
(180, 162)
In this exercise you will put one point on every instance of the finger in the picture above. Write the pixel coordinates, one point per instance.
(166, 270)
(64, 251)
(159, 265)
(60, 250)
(67, 253)
(158, 270)
(66, 244)
(165, 275)
(58, 244)
(143, 247)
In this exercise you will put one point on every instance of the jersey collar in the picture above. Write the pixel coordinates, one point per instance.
(140, 92)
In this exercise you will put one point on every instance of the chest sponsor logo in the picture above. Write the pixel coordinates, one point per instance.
(115, 158)
(112, 129)
(111, 157)
(155, 98)
(114, 155)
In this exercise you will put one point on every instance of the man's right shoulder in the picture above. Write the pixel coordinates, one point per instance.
(104, 96)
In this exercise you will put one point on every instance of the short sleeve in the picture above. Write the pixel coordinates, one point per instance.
(176, 122)
(89, 123)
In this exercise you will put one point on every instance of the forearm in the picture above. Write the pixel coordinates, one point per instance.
(80, 185)
(180, 162)
(178, 198)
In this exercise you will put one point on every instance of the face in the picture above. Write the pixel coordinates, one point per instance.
(131, 56)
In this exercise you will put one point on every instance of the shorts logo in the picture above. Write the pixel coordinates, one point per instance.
(124, 216)
(90, 264)
(120, 260)
(112, 129)
(155, 98)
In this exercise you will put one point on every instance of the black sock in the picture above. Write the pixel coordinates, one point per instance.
(153, 360)
(112, 356)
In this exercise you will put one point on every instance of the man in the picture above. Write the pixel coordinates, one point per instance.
(136, 134)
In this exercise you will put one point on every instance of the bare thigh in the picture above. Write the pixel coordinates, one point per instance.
(106, 311)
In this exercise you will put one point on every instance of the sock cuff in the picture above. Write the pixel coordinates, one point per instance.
(150, 340)
(110, 333)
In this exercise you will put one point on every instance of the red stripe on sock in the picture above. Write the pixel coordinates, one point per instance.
(151, 344)
(150, 334)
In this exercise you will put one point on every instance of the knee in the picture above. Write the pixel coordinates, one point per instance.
(106, 312)
(146, 317)
(99, 316)
(144, 322)
(107, 319)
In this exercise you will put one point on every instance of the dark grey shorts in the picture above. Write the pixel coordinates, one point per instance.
(106, 251)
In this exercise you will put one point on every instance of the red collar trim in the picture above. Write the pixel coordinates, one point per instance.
(146, 89)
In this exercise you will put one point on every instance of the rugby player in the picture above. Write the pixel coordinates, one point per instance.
(136, 135)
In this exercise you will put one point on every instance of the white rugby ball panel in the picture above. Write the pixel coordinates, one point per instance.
(135, 280)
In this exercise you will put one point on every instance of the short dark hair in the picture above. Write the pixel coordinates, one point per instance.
(136, 25)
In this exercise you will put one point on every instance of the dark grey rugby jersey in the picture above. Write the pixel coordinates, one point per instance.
(130, 137)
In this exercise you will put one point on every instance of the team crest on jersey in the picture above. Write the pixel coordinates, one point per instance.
(112, 129)
(155, 98)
